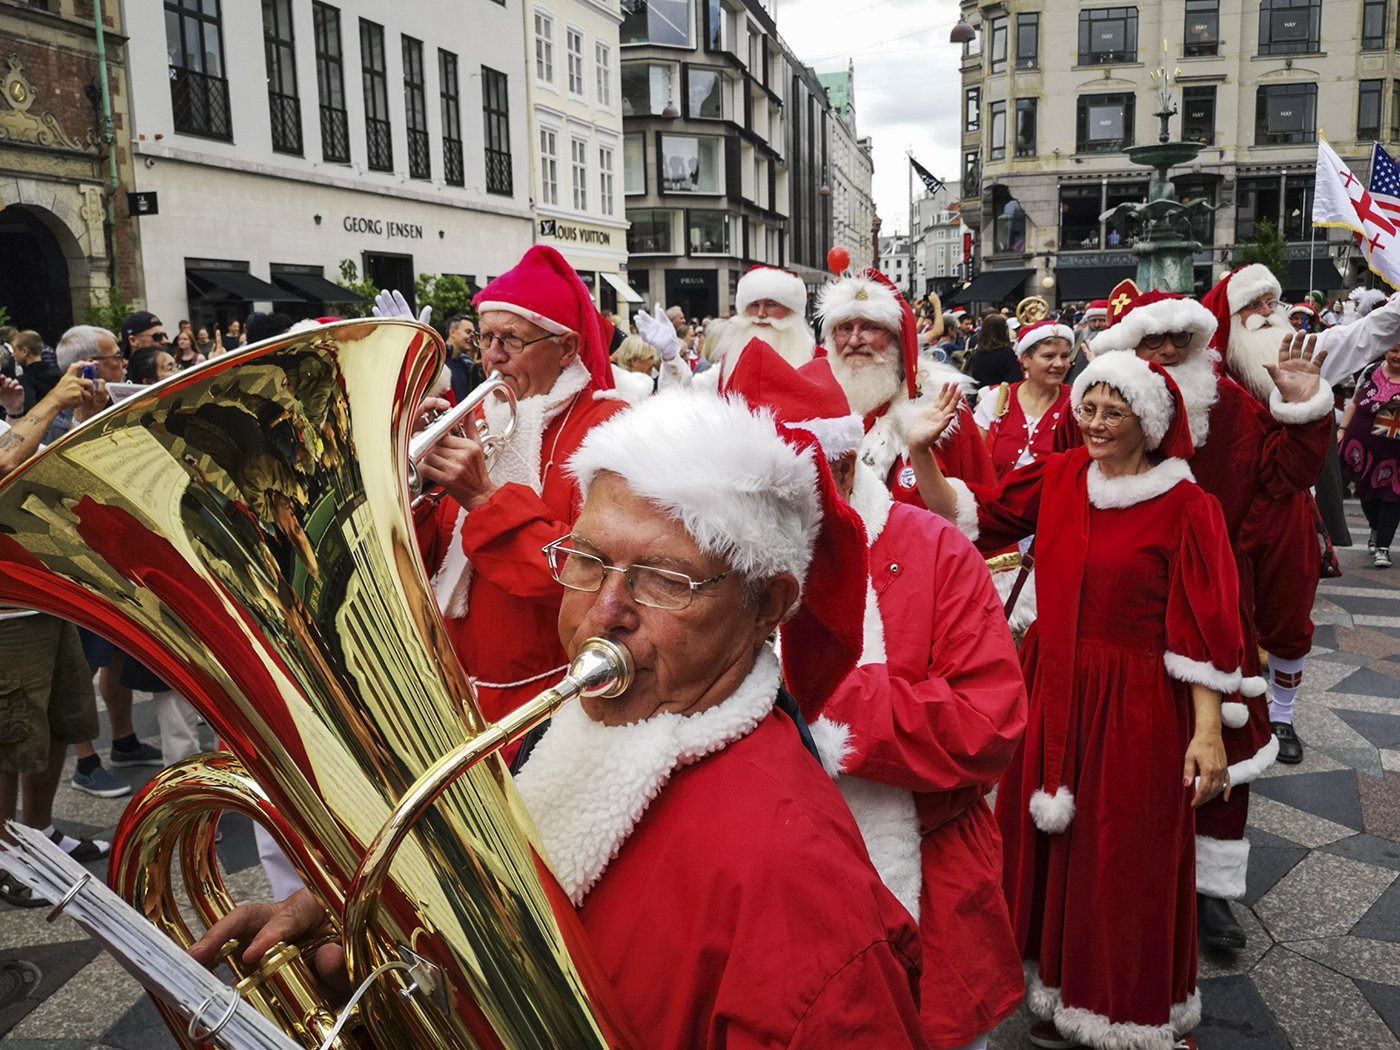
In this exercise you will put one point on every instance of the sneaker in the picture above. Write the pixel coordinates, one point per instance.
(1290, 748)
(1371, 542)
(1381, 558)
(1045, 1035)
(100, 783)
(145, 755)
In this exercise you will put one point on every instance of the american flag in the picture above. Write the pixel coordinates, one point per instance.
(1385, 182)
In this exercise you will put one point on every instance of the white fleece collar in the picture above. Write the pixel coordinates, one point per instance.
(586, 784)
(888, 439)
(1109, 493)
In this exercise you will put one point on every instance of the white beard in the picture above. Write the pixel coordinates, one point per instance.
(870, 387)
(789, 336)
(1200, 389)
(1251, 348)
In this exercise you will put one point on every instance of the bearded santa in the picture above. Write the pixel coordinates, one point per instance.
(870, 338)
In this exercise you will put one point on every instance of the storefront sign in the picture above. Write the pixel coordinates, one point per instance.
(143, 203)
(383, 227)
(575, 234)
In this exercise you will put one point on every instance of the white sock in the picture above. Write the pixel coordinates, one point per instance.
(68, 843)
(1281, 705)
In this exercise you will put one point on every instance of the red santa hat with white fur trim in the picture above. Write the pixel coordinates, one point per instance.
(807, 398)
(1098, 308)
(1038, 333)
(770, 282)
(871, 296)
(1155, 313)
(1151, 394)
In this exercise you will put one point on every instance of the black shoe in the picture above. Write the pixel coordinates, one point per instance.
(1290, 748)
(1218, 927)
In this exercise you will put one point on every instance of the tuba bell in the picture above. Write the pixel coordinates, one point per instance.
(1032, 310)
(242, 528)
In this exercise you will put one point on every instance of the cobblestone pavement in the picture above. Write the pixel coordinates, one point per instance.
(1322, 970)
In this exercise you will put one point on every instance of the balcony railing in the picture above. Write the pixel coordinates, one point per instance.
(380, 142)
(419, 162)
(335, 135)
(286, 122)
(452, 162)
(200, 104)
(498, 174)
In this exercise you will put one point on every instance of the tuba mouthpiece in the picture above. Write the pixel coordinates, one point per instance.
(603, 667)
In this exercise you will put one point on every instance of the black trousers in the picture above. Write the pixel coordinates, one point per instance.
(1383, 517)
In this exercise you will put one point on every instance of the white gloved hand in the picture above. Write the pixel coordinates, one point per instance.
(393, 304)
(659, 332)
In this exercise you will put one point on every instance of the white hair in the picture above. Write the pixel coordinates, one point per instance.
(79, 343)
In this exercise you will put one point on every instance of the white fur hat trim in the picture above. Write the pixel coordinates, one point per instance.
(1165, 315)
(837, 436)
(768, 282)
(1249, 284)
(719, 468)
(1042, 332)
(858, 297)
(1134, 380)
(550, 326)
(1096, 311)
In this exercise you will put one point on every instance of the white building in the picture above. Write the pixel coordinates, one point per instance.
(282, 138)
(852, 171)
(895, 262)
(938, 244)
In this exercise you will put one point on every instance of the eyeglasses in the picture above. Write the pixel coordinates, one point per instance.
(1266, 305)
(1157, 340)
(107, 357)
(1113, 418)
(656, 588)
(511, 344)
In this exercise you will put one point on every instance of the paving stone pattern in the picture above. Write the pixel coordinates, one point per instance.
(1322, 911)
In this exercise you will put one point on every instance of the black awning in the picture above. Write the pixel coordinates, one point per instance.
(994, 286)
(1089, 282)
(1324, 276)
(238, 285)
(316, 289)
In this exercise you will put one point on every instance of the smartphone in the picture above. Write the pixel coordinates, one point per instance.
(90, 372)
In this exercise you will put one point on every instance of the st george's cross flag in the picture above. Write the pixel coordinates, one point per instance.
(1341, 200)
(1385, 183)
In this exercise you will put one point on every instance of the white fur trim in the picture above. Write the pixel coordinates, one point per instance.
(1249, 284)
(1040, 1000)
(586, 784)
(1052, 813)
(1131, 489)
(1024, 612)
(888, 439)
(1143, 389)
(1234, 715)
(1040, 333)
(1250, 769)
(1297, 412)
(628, 387)
(1185, 669)
(936, 376)
(967, 509)
(552, 327)
(1221, 865)
(889, 823)
(858, 297)
(1254, 685)
(833, 741)
(453, 580)
(836, 436)
(1098, 1031)
(742, 492)
(1095, 311)
(872, 649)
(1167, 315)
(872, 501)
(769, 282)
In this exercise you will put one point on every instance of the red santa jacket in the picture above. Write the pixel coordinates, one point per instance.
(922, 729)
(510, 632)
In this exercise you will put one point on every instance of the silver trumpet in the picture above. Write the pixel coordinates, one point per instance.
(456, 420)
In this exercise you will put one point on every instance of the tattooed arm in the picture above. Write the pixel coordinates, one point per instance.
(22, 439)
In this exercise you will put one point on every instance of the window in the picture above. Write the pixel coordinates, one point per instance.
(1369, 94)
(972, 110)
(973, 48)
(573, 43)
(578, 163)
(652, 232)
(714, 36)
(544, 48)
(1289, 27)
(1122, 193)
(647, 88)
(415, 106)
(1108, 34)
(634, 164)
(1203, 224)
(495, 111)
(602, 67)
(1009, 227)
(549, 167)
(1395, 112)
(1285, 113)
(1198, 115)
(605, 180)
(998, 45)
(451, 98)
(709, 232)
(1256, 200)
(656, 22)
(972, 175)
(755, 52)
(330, 84)
(690, 164)
(1202, 35)
(198, 88)
(283, 104)
(1297, 207)
(1027, 41)
(1104, 123)
(1025, 127)
(1373, 25)
(376, 85)
(1080, 208)
(705, 91)
(997, 115)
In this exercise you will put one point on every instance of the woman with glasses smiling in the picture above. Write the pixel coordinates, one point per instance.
(1138, 638)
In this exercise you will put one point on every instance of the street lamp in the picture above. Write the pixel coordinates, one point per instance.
(962, 32)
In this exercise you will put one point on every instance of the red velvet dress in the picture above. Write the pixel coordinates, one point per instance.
(1008, 438)
(1141, 574)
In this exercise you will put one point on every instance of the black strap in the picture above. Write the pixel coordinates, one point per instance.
(1027, 564)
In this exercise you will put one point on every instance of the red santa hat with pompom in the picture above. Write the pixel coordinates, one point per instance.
(1134, 314)
(1235, 291)
(770, 282)
(871, 296)
(1151, 393)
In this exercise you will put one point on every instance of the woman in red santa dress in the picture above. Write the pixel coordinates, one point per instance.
(1126, 679)
(1018, 420)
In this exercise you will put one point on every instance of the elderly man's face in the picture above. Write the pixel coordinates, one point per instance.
(764, 310)
(860, 343)
(536, 368)
(1265, 305)
(111, 365)
(688, 659)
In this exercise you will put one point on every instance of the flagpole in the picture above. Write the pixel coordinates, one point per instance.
(910, 158)
(1312, 240)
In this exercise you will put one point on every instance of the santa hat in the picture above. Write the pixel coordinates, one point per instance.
(871, 296)
(1038, 333)
(1248, 283)
(1098, 308)
(1133, 315)
(546, 291)
(806, 398)
(1150, 393)
(757, 494)
(1303, 308)
(769, 282)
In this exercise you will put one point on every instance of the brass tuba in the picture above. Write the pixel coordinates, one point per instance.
(242, 529)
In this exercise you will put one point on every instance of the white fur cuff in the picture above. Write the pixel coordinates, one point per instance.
(1252, 768)
(966, 520)
(1295, 413)
(1052, 813)
(1184, 669)
(1234, 715)
(833, 742)
(1221, 865)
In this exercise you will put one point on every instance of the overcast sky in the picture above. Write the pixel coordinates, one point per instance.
(907, 82)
